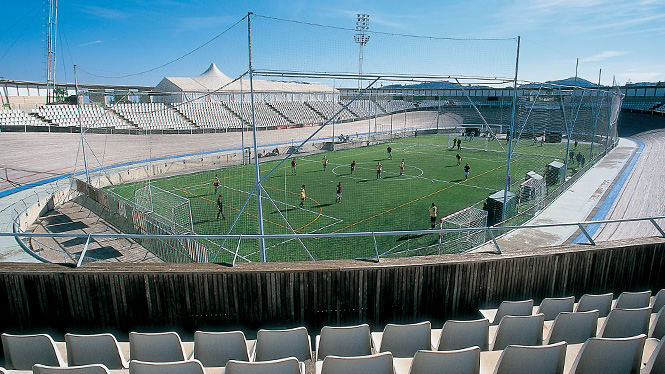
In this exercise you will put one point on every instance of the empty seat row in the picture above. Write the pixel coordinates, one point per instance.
(551, 307)
(596, 355)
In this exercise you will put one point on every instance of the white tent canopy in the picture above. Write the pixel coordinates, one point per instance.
(213, 80)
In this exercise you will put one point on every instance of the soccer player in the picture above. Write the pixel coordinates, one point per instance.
(390, 152)
(339, 192)
(302, 196)
(379, 169)
(401, 168)
(325, 162)
(220, 207)
(466, 171)
(353, 166)
(293, 167)
(459, 158)
(215, 182)
(459, 144)
(433, 212)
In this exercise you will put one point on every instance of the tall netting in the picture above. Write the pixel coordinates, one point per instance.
(356, 138)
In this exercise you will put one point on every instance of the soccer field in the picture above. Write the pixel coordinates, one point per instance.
(391, 202)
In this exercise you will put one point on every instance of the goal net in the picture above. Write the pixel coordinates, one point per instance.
(460, 241)
(532, 192)
(172, 210)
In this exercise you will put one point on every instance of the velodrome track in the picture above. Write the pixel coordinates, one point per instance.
(643, 192)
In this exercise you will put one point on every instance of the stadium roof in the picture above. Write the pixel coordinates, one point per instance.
(214, 80)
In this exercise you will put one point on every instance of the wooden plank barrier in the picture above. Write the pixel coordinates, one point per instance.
(186, 297)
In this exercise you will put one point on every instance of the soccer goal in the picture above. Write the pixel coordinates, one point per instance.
(460, 241)
(533, 191)
(173, 210)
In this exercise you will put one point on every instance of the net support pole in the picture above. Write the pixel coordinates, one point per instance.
(257, 173)
(595, 117)
(510, 133)
(78, 105)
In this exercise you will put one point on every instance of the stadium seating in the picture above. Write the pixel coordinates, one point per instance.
(602, 303)
(94, 349)
(519, 330)
(156, 347)
(404, 340)
(175, 367)
(288, 365)
(85, 115)
(277, 344)
(508, 308)
(462, 361)
(343, 341)
(609, 356)
(573, 327)
(462, 347)
(15, 117)
(544, 359)
(463, 334)
(217, 348)
(83, 369)
(23, 351)
(380, 363)
(551, 307)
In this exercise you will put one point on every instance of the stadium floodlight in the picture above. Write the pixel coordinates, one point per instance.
(362, 25)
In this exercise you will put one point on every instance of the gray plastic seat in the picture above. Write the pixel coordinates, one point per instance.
(573, 327)
(175, 367)
(215, 349)
(404, 340)
(156, 347)
(95, 349)
(519, 330)
(551, 307)
(656, 361)
(24, 351)
(509, 308)
(623, 323)
(633, 300)
(82, 369)
(657, 328)
(542, 359)
(609, 356)
(464, 334)
(658, 301)
(600, 302)
(289, 365)
(346, 341)
(461, 361)
(380, 363)
(277, 344)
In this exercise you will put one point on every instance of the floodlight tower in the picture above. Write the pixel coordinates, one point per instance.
(50, 46)
(362, 25)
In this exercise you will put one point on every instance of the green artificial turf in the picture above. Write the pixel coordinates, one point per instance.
(392, 202)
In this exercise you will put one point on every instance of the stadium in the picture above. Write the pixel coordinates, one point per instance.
(298, 196)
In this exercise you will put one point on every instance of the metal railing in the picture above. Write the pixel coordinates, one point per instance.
(81, 257)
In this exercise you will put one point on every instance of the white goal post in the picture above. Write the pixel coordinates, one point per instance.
(171, 209)
(460, 241)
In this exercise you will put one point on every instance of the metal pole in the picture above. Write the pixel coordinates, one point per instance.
(78, 104)
(259, 207)
(510, 132)
(595, 117)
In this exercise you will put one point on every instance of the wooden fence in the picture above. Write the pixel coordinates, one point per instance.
(186, 297)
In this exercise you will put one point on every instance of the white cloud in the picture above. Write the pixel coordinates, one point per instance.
(90, 43)
(604, 56)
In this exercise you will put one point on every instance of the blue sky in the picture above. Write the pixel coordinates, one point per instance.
(127, 42)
